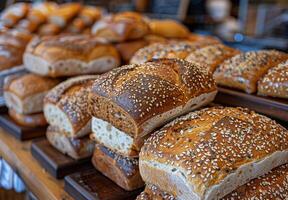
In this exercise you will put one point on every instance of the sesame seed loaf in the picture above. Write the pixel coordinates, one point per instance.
(66, 106)
(76, 148)
(209, 153)
(123, 171)
(212, 55)
(69, 55)
(275, 82)
(30, 120)
(121, 27)
(244, 70)
(25, 93)
(172, 49)
(136, 99)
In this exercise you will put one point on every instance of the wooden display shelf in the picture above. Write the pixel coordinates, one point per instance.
(37, 180)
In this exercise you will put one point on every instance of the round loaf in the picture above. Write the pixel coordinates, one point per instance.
(30, 120)
(168, 29)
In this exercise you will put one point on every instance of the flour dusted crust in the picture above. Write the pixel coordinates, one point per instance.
(275, 82)
(244, 70)
(212, 55)
(66, 106)
(68, 55)
(209, 153)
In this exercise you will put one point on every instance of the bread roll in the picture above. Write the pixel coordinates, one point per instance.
(168, 28)
(48, 30)
(209, 153)
(40, 11)
(25, 93)
(10, 56)
(27, 25)
(121, 27)
(15, 38)
(76, 26)
(90, 14)
(244, 70)
(30, 120)
(14, 13)
(66, 106)
(129, 102)
(122, 170)
(275, 82)
(212, 55)
(70, 55)
(76, 148)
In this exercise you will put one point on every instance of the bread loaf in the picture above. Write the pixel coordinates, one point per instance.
(121, 27)
(90, 14)
(244, 70)
(40, 11)
(209, 153)
(123, 171)
(48, 30)
(26, 25)
(30, 120)
(66, 106)
(212, 55)
(129, 102)
(168, 29)
(69, 55)
(25, 93)
(152, 192)
(14, 13)
(275, 82)
(15, 38)
(10, 56)
(76, 26)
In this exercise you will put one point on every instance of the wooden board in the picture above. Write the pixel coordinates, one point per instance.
(92, 185)
(274, 107)
(36, 179)
(18, 131)
(56, 163)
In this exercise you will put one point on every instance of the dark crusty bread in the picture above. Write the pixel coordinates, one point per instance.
(121, 27)
(244, 70)
(68, 55)
(66, 106)
(30, 120)
(212, 55)
(76, 148)
(275, 82)
(135, 99)
(123, 171)
(211, 152)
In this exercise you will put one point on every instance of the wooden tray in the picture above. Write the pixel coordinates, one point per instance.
(20, 132)
(92, 185)
(56, 163)
(274, 107)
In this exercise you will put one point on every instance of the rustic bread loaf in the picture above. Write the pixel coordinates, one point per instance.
(10, 56)
(121, 27)
(48, 30)
(123, 171)
(211, 152)
(244, 70)
(25, 93)
(30, 120)
(129, 102)
(66, 106)
(69, 55)
(275, 82)
(76, 148)
(212, 55)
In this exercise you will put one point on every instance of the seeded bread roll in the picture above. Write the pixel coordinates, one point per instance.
(10, 56)
(66, 106)
(275, 82)
(244, 70)
(168, 28)
(209, 153)
(121, 27)
(129, 102)
(48, 30)
(76, 148)
(123, 171)
(30, 120)
(69, 55)
(173, 49)
(212, 55)
(25, 93)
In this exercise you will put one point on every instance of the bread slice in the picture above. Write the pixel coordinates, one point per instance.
(209, 153)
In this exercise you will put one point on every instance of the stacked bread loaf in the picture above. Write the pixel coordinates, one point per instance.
(129, 102)
(210, 153)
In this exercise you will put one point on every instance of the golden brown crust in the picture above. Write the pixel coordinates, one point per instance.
(152, 192)
(123, 171)
(76, 26)
(31, 120)
(275, 82)
(199, 38)
(90, 14)
(27, 25)
(212, 55)
(212, 143)
(127, 49)
(244, 70)
(48, 29)
(168, 28)
(14, 13)
(10, 56)
(15, 38)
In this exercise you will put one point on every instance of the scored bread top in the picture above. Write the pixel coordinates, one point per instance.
(244, 70)
(76, 47)
(210, 144)
(28, 84)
